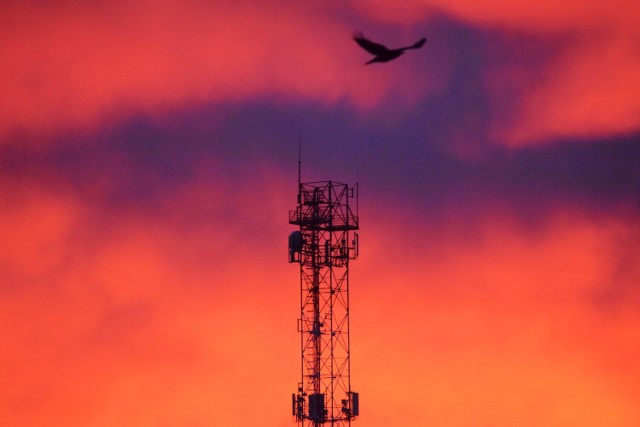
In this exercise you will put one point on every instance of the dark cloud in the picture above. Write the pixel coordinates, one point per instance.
(404, 157)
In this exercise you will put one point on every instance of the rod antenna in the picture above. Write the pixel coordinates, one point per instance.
(299, 159)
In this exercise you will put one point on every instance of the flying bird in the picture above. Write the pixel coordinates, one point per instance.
(382, 53)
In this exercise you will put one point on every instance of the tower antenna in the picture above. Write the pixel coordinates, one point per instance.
(299, 159)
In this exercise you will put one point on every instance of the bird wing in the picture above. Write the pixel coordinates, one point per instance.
(419, 43)
(416, 45)
(368, 45)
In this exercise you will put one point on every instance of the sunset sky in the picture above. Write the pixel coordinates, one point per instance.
(148, 161)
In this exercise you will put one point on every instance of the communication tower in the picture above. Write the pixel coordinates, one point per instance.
(323, 246)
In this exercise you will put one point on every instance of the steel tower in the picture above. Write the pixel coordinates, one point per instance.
(323, 246)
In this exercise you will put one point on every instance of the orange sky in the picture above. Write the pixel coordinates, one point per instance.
(144, 197)
(159, 319)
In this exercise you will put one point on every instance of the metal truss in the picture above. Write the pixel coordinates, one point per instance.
(323, 246)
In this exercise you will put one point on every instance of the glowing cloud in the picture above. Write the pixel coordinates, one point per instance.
(510, 323)
(589, 92)
(173, 314)
(76, 65)
(587, 89)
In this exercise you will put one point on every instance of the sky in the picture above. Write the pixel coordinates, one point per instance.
(148, 161)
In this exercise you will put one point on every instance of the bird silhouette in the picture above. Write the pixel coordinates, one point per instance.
(382, 53)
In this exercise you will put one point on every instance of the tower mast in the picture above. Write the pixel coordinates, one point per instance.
(323, 246)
